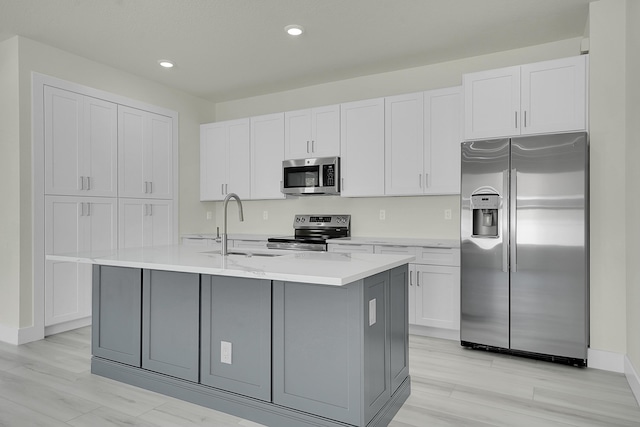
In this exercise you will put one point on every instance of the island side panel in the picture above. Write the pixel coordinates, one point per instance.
(171, 323)
(317, 349)
(377, 387)
(399, 326)
(117, 314)
(236, 312)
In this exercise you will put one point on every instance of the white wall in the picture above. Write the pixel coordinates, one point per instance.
(9, 191)
(36, 57)
(633, 179)
(608, 180)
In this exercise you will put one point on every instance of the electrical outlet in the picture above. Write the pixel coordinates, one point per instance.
(265, 215)
(383, 215)
(447, 214)
(209, 215)
(225, 352)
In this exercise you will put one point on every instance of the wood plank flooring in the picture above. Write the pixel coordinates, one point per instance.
(48, 383)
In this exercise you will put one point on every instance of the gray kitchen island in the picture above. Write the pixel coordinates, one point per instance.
(279, 338)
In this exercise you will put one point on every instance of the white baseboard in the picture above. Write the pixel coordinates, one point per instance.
(17, 336)
(67, 326)
(426, 331)
(605, 360)
(632, 378)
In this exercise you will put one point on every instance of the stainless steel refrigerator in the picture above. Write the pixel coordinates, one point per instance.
(525, 246)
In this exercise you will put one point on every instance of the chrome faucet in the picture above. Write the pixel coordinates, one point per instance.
(223, 251)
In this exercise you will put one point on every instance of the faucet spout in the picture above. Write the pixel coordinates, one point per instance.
(230, 196)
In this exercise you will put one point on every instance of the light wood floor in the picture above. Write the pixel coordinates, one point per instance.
(48, 383)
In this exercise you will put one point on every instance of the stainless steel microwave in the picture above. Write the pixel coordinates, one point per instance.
(320, 175)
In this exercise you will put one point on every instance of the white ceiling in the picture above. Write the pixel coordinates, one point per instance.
(229, 49)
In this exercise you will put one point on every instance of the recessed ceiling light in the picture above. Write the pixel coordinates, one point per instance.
(165, 63)
(294, 30)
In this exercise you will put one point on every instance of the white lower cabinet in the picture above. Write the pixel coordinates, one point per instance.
(145, 222)
(74, 224)
(436, 296)
(434, 285)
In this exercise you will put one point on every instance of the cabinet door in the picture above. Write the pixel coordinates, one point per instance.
(404, 144)
(144, 222)
(117, 319)
(170, 323)
(438, 296)
(362, 148)
(145, 154)
(442, 138)
(317, 331)
(267, 154)
(159, 156)
(213, 161)
(325, 131)
(100, 154)
(239, 161)
(297, 137)
(492, 103)
(65, 281)
(63, 140)
(554, 96)
(74, 224)
(236, 335)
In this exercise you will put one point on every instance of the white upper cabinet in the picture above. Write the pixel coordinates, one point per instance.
(443, 109)
(145, 144)
(362, 148)
(554, 96)
(81, 142)
(543, 97)
(145, 222)
(267, 154)
(225, 160)
(313, 132)
(404, 145)
(492, 103)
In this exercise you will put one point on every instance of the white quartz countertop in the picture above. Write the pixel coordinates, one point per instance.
(397, 241)
(323, 268)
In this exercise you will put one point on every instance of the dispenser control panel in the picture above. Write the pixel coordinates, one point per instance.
(485, 201)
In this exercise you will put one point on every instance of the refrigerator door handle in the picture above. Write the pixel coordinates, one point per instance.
(505, 222)
(512, 221)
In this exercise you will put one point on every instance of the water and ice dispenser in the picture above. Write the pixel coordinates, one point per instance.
(485, 214)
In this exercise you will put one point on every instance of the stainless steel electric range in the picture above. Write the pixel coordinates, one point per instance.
(311, 232)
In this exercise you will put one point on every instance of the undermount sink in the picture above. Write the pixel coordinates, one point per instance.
(247, 254)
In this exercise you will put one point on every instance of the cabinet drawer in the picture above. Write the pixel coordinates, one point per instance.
(437, 256)
(401, 250)
(350, 248)
(250, 244)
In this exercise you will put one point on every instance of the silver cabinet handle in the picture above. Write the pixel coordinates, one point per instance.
(88, 186)
(512, 221)
(150, 186)
(525, 118)
(146, 186)
(313, 148)
(420, 180)
(145, 209)
(426, 180)
(516, 120)
(82, 209)
(150, 210)
(417, 278)
(411, 278)
(82, 183)
(221, 188)
(307, 146)
(88, 209)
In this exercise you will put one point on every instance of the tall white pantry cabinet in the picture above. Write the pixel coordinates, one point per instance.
(105, 166)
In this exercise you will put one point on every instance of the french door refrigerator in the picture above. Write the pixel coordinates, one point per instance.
(524, 246)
